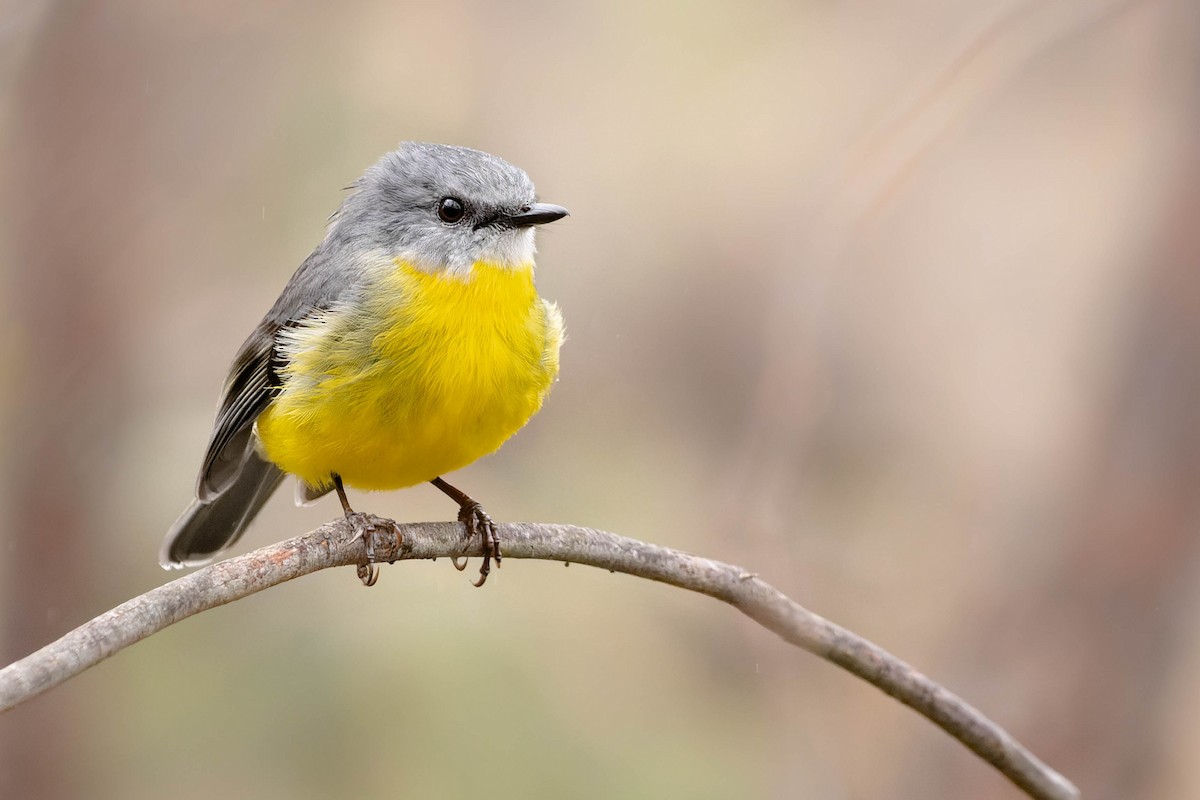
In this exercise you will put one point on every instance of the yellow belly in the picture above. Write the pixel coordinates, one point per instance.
(427, 375)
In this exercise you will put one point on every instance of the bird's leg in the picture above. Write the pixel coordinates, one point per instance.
(477, 523)
(365, 526)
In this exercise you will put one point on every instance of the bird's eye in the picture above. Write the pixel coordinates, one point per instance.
(451, 209)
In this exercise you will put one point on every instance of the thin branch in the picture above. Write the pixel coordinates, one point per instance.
(334, 545)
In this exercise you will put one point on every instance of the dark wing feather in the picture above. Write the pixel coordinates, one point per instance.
(322, 280)
(234, 481)
(247, 392)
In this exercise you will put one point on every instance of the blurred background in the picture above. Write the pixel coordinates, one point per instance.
(895, 303)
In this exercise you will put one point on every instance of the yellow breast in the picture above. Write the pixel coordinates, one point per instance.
(427, 374)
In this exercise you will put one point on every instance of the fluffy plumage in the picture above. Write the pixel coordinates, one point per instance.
(403, 347)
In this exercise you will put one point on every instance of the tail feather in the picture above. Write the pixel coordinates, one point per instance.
(307, 495)
(207, 528)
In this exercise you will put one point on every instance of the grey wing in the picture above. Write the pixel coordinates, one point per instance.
(234, 481)
(248, 391)
(322, 280)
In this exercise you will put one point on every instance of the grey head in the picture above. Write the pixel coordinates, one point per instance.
(441, 207)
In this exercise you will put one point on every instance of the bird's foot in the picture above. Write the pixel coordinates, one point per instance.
(370, 528)
(478, 523)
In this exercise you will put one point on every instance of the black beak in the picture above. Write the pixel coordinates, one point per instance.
(536, 214)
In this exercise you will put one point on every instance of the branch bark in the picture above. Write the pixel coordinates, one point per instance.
(334, 545)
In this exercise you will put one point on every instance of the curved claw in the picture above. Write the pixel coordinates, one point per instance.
(478, 523)
(368, 574)
(460, 566)
(367, 527)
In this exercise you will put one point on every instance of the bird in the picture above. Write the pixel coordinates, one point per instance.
(411, 342)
